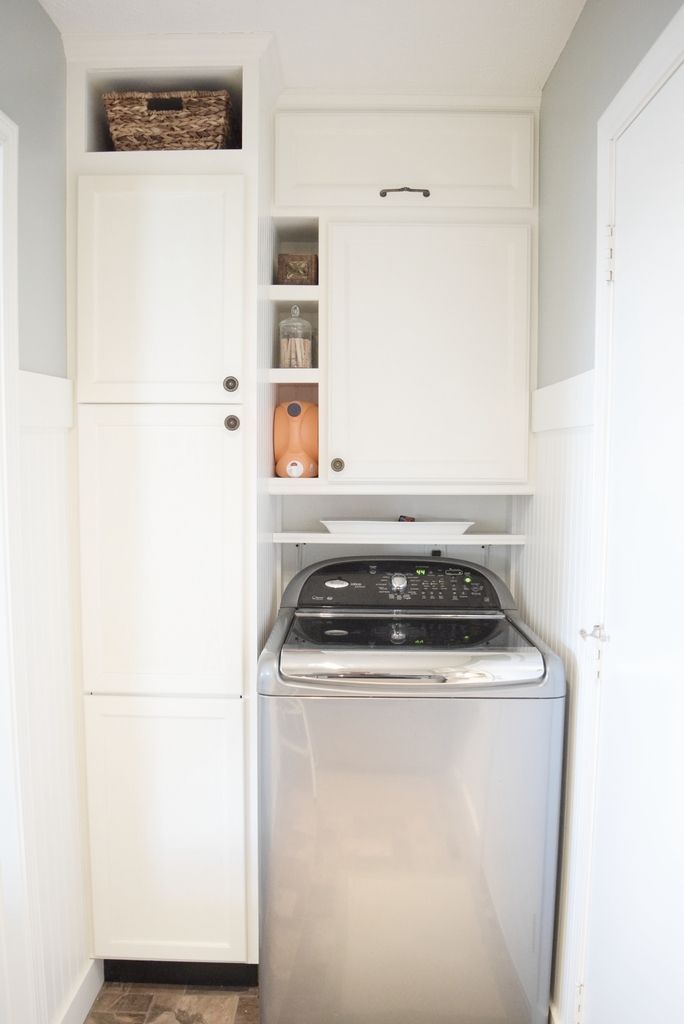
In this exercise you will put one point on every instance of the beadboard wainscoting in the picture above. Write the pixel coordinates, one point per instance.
(551, 584)
(50, 746)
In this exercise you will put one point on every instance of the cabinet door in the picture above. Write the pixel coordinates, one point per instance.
(464, 158)
(167, 833)
(429, 351)
(161, 527)
(160, 264)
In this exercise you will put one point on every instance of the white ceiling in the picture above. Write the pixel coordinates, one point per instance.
(442, 47)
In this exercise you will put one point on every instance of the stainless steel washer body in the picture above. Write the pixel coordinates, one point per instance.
(411, 737)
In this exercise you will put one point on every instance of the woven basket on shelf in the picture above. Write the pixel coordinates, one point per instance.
(191, 119)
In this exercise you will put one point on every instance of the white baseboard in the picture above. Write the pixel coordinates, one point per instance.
(45, 401)
(569, 403)
(83, 996)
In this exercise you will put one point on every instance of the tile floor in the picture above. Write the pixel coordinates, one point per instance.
(119, 1003)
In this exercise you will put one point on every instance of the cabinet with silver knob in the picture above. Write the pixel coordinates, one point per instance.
(161, 549)
(428, 346)
(160, 288)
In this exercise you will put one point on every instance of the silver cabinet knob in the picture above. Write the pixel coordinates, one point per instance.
(337, 465)
(232, 423)
(231, 383)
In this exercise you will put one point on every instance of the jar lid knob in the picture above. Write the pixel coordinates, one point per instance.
(294, 311)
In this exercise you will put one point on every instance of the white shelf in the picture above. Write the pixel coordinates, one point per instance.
(293, 293)
(316, 485)
(426, 540)
(294, 376)
(177, 161)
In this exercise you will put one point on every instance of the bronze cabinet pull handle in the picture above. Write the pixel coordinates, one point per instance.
(425, 191)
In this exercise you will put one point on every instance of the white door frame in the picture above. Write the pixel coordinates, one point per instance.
(659, 64)
(18, 980)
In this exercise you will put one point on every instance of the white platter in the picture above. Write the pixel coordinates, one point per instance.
(424, 527)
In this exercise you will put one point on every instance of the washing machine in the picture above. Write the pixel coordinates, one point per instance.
(411, 743)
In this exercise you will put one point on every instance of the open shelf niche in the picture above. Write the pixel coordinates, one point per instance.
(308, 310)
(293, 235)
(302, 539)
(287, 393)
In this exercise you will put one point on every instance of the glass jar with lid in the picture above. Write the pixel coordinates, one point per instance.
(296, 347)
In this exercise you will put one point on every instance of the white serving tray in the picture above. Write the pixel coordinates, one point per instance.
(390, 527)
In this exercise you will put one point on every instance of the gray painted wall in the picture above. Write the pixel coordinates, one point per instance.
(33, 95)
(607, 43)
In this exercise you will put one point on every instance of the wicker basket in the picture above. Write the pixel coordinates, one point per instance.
(168, 120)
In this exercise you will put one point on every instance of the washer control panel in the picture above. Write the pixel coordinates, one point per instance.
(399, 583)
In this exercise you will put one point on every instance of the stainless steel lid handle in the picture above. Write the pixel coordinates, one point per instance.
(382, 677)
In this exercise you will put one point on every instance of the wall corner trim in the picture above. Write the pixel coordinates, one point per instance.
(554, 1015)
(83, 996)
(567, 404)
(45, 401)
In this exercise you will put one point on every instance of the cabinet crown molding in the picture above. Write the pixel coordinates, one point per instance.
(304, 100)
(140, 50)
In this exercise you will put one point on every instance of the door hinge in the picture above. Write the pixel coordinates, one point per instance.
(597, 633)
(579, 1003)
(610, 253)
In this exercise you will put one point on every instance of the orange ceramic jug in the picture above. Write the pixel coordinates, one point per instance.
(295, 439)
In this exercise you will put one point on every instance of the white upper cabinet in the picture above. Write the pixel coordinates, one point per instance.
(166, 797)
(160, 288)
(428, 340)
(342, 158)
(161, 549)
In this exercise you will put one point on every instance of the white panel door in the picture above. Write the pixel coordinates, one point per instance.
(159, 288)
(167, 833)
(346, 158)
(634, 950)
(429, 331)
(162, 552)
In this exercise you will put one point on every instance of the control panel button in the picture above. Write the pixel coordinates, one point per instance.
(398, 582)
(398, 635)
(337, 584)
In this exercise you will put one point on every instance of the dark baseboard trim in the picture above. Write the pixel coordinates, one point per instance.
(167, 972)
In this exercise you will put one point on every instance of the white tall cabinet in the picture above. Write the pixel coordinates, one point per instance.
(160, 325)
(162, 548)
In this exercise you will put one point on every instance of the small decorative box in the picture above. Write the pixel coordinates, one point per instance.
(297, 268)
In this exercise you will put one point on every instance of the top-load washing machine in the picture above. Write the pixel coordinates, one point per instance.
(411, 738)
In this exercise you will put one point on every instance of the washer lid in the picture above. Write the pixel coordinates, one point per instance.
(441, 650)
